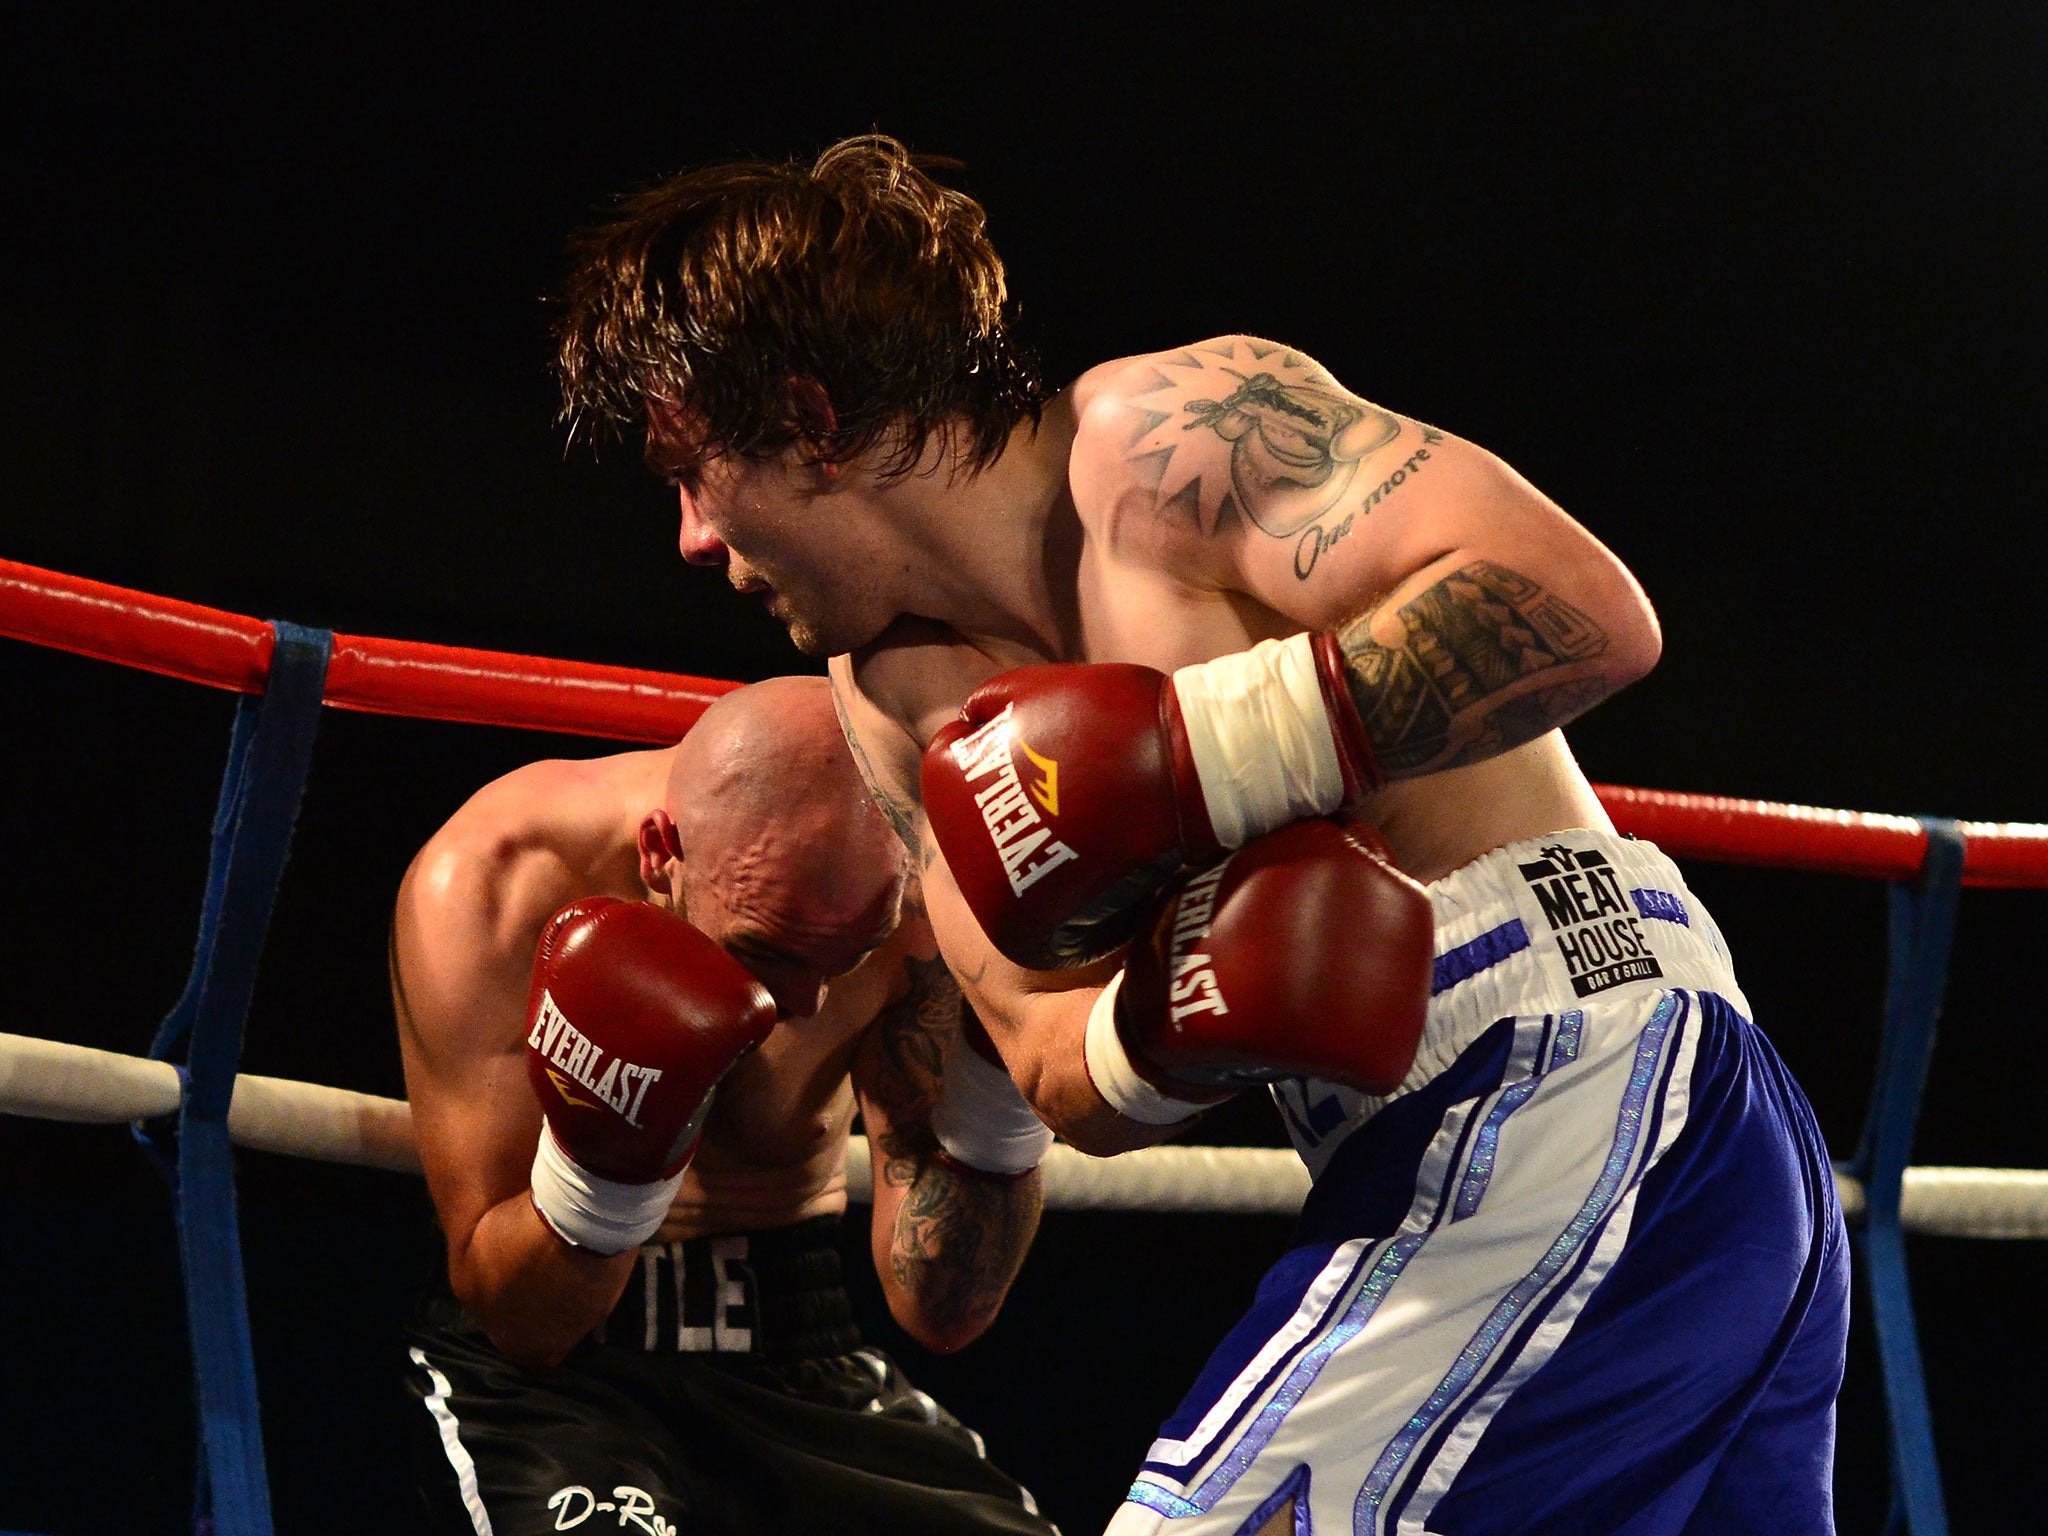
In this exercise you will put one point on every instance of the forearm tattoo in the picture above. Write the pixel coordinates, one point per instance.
(958, 1239)
(1479, 668)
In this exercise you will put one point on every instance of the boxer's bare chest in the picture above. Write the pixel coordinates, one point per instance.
(774, 1147)
(1127, 599)
(1118, 599)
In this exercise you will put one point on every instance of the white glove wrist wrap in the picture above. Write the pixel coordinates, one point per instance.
(1116, 1079)
(589, 1212)
(1261, 738)
(982, 1120)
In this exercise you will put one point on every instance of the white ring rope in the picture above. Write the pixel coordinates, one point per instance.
(46, 1080)
(49, 1081)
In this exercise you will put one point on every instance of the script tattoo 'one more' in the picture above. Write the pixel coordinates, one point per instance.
(1318, 536)
(1467, 678)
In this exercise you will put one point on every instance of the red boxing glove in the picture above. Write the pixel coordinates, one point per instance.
(1066, 797)
(633, 1018)
(1304, 954)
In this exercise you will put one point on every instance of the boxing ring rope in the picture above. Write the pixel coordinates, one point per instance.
(46, 1080)
(286, 673)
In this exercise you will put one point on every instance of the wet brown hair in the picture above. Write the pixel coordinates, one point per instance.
(693, 309)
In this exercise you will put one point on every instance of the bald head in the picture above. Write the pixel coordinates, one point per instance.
(772, 756)
(785, 856)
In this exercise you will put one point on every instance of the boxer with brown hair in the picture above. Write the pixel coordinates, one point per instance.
(1572, 1259)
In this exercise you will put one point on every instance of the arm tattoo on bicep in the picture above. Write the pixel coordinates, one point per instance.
(1319, 536)
(958, 1239)
(906, 1053)
(1475, 672)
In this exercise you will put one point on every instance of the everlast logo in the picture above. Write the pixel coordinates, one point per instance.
(1598, 932)
(1194, 989)
(621, 1084)
(1023, 841)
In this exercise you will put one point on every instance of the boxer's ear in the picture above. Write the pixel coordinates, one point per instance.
(661, 849)
(811, 409)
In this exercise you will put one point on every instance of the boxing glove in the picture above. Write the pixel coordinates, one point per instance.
(633, 1017)
(1304, 954)
(1065, 797)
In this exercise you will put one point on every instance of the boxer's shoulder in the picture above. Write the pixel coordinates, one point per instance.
(1195, 369)
(1169, 404)
(479, 890)
(1133, 448)
(1169, 446)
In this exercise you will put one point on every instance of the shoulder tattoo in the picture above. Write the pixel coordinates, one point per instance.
(1296, 437)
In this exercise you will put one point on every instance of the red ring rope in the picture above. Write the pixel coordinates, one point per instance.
(386, 677)
(442, 682)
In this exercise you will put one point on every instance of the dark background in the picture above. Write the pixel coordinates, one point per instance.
(1760, 303)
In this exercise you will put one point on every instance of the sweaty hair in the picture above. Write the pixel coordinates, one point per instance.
(692, 311)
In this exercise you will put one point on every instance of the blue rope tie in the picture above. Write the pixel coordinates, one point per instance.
(1922, 933)
(269, 753)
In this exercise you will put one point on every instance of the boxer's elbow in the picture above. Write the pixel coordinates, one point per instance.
(532, 1338)
(941, 1332)
(529, 1348)
(526, 1322)
(1636, 637)
(945, 1301)
(1607, 635)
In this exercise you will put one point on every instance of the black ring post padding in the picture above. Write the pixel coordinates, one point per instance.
(270, 752)
(1922, 924)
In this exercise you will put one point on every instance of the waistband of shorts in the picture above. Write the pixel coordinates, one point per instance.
(778, 1293)
(1548, 924)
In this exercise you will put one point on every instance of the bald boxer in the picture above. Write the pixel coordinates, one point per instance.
(640, 1000)
(1572, 1260)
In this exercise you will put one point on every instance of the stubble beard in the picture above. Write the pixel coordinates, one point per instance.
(805, 638)
(822, 635)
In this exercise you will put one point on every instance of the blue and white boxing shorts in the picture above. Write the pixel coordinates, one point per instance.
(1583, 1272)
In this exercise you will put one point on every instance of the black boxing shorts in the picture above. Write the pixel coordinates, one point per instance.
(727, 1392)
